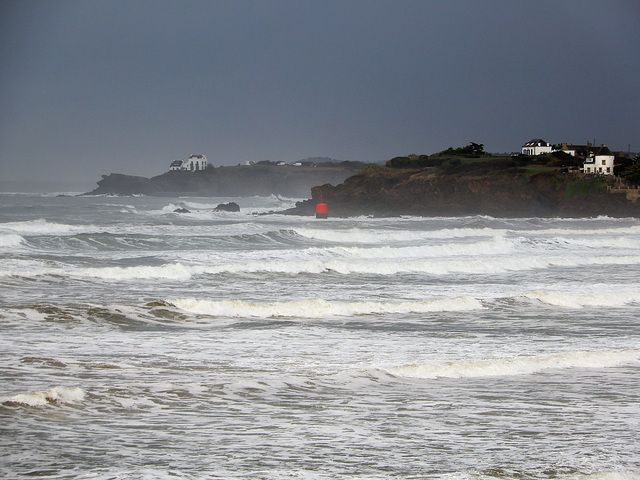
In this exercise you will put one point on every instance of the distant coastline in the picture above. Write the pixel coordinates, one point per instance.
(445, 185)
(236, 181)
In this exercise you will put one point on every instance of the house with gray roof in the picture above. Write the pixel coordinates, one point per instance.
(537, 146)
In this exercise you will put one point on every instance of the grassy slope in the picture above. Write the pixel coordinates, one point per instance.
(498, 186)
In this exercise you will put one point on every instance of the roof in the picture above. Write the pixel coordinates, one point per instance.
(603, 150)
(536, 142)
(176, 163)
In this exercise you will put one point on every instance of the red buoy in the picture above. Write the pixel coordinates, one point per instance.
(321, 209)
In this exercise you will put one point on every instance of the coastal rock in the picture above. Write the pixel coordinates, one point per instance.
(227, 207)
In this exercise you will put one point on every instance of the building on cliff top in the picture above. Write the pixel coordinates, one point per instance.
(193, 164)
(601, 161)
(537, 146)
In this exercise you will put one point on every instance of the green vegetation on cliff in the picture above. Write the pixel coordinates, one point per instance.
(474, 184)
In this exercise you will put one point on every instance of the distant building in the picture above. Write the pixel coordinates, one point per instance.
(576, 150)
(537, 146)
(176, 165)
(601, 161)
(193, 164)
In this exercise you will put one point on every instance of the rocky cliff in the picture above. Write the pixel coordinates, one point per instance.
(237, 181)
(489, 186)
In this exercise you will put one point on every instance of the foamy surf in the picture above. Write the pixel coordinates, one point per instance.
(611, 298)
(42, 227)
(320, 308)
(521, 365)
(49, 397)
(10, 240)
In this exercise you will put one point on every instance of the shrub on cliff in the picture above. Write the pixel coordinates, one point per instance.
(471, 150)
(632, 173)
(412, 161)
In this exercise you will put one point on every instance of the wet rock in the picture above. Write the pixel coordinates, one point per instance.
(227, 207)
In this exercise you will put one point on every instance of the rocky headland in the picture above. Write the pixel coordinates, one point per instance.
(235, 181)
(543, 186)
(439, 185)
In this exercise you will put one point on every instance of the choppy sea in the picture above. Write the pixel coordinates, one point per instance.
(140, 343)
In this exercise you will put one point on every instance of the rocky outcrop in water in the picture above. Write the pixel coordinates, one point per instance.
(227, 207)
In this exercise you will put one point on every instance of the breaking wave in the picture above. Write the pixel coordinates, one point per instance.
(369, 236)
(319, 308)
(41, 399)
(522, 365)
(10, 240)
(344, 261)
(42, 227)
(611, 298)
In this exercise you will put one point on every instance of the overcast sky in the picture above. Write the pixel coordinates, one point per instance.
(92, 87)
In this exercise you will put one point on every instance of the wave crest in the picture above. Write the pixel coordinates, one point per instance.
(320, 308)
(41, 399)
(612, 298)
(10, 240)
(521, 365)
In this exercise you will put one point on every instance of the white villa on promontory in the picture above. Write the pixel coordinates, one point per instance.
(193, 164)
(596, 159)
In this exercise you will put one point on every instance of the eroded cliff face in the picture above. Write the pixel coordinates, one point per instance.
(497, 190)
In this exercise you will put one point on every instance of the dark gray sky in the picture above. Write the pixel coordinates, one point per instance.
(94, 87)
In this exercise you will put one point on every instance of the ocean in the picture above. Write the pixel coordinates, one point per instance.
(141, 343)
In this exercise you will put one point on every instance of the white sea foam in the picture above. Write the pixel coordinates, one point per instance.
(521, 365)
(370, 236)
(606, 476)
(376, 236)
(607, 298)
(378, 261)
(42, 227)
(10, 240)
(320, 308)
(39, 399)
(174, 271)
(492, 246)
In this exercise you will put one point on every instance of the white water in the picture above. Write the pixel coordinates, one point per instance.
(139, 343)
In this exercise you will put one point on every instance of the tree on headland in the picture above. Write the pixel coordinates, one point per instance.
(632, 173)
(410, 161)
(473, 149)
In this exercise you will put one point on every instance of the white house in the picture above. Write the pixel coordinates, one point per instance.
(602, 161)
(537, 146)
(193, 164)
